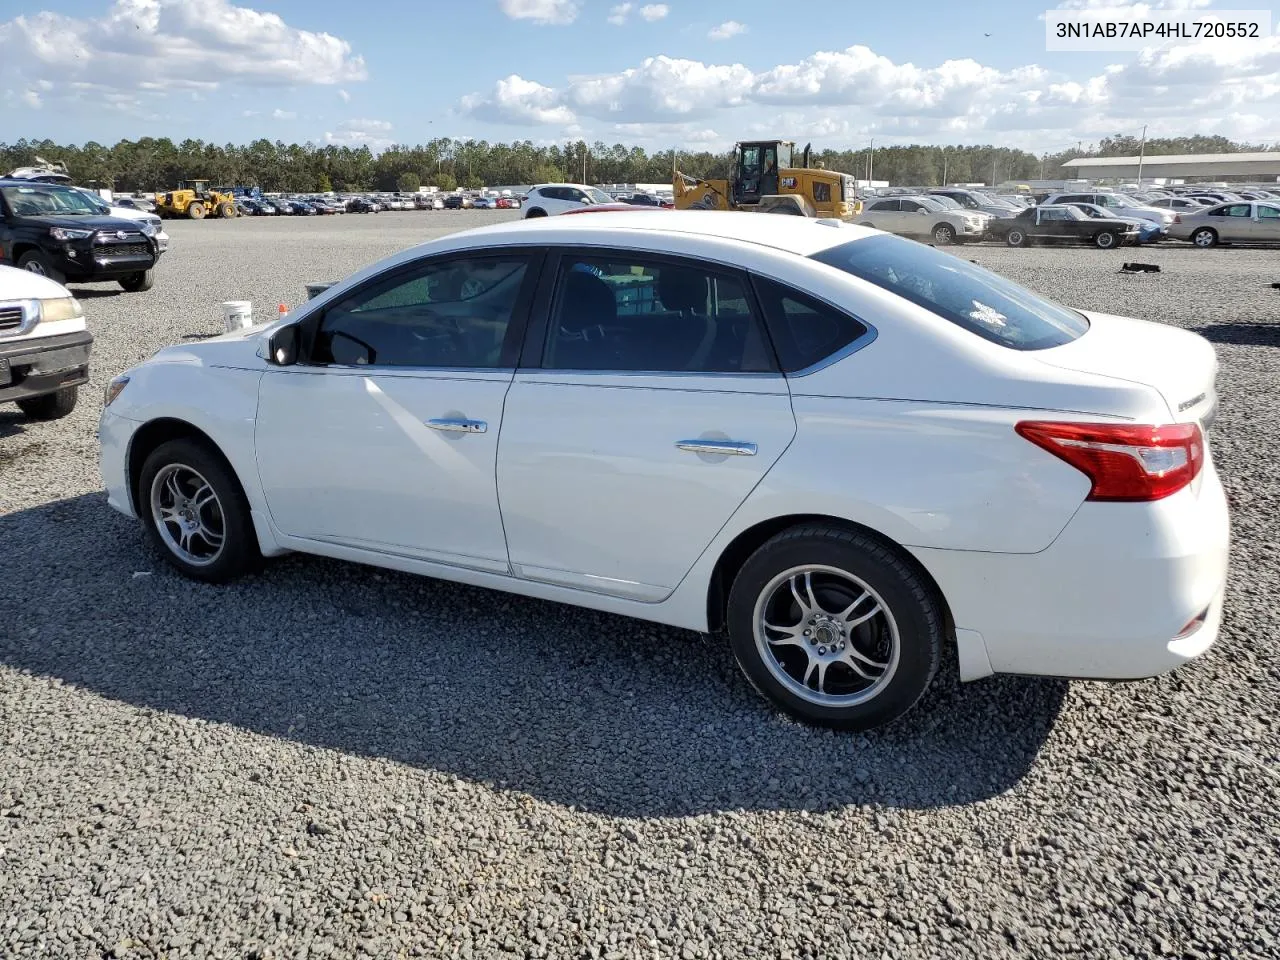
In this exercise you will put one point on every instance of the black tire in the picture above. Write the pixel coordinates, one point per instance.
(1205, 237)
(196, 211)
(535, 212)
(944, 234)
(52, 406)
(911, 602)
(1017, 238)
(139, 282)
(1106, 240)
(239, 549)
(37, 261)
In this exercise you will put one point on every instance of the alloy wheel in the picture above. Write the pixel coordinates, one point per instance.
(826, 636)
(188, 514)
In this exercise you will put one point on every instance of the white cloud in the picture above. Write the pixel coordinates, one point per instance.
(654, 11)
(278, 114)
(727, 30)
(32, 99)
(851, 94)
(541, 11)
(344, 96)
(361, 131)
(159, 46)
(618, 15)
(518, 101)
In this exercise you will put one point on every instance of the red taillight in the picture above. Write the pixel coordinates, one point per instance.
(1132, 462)
(1177, 218)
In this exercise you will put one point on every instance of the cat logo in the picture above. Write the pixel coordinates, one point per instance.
(789, 183)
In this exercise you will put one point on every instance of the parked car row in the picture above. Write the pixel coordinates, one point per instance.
(308, 205)
(1103, 218)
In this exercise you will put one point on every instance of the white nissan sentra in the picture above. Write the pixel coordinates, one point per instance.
(849, 452)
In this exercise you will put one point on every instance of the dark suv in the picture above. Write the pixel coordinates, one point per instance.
(58, 231)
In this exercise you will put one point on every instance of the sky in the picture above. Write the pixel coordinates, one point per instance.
(686, 74)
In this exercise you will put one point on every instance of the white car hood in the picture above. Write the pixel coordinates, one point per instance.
(1179, 364)
(18, 284)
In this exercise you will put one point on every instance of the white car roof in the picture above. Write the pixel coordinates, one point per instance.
(800, 235)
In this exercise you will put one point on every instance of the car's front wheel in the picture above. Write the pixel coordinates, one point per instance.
(138, 282)
(37, 261)
(944, 234)
(1105, 240)
(51, 406)
(196, 512)
(835, 627)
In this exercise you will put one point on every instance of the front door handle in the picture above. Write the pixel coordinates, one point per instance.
(729, 448)
(449, 425)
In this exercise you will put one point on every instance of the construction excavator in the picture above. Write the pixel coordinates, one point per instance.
(767, 180)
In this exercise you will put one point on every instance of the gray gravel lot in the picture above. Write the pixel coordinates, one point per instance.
(330, 760)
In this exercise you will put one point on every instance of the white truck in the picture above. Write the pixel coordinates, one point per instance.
(44, 345)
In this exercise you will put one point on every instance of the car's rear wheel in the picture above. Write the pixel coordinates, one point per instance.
(1205, 238)
(1016, 238)
(535, 212)
(39, 262)
(138, 282)
(944, 234)
(52, 406)
(1105, 240)
(196, 513)
(835, 627)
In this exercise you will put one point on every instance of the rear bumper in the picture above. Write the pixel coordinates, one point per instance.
(44, 365)
(1108, 600)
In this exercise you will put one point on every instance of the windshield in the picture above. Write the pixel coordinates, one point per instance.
(48, 199)
(598, 195)
(978, 300)
(945, 202)
(929, 203)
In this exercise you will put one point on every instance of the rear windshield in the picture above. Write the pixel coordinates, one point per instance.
(982, 302)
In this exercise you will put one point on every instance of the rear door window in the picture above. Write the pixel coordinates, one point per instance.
(805, 331)
(978, 300)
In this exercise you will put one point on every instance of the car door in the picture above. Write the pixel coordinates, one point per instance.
(885, 215)
(1267, 225)
(912, 220)
(1233, 221)
(648, 406)
(385, 436)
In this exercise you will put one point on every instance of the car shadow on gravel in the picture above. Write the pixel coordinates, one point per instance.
(600, 712)
(12, 424)
(1243, 334)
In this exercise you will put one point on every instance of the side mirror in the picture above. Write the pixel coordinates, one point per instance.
(923, 213)
(282, 348)
(585, 201)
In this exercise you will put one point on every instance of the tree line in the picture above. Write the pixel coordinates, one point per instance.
(152, 164)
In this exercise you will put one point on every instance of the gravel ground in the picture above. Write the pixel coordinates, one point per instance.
(330, 760)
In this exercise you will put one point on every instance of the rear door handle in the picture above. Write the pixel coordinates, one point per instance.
(458, 426)
(730, 448)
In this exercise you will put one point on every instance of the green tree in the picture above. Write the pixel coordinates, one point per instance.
(408, 182)
(325, 185)
(445, 181)
(474, 182)
(547, 173)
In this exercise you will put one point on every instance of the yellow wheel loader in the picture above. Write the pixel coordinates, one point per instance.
(766, 180)
(194, 199)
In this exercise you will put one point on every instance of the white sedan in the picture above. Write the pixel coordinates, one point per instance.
(852, 453)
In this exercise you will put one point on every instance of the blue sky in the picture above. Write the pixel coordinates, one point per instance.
(682, 74)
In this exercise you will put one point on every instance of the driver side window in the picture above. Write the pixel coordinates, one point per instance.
(452, 313)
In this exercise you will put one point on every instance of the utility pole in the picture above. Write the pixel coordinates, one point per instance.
(944, 166)
(993, 171)
(1142, 149)
(871, 159)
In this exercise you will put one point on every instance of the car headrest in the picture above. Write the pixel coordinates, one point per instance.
(587, 302)
(682, 289)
